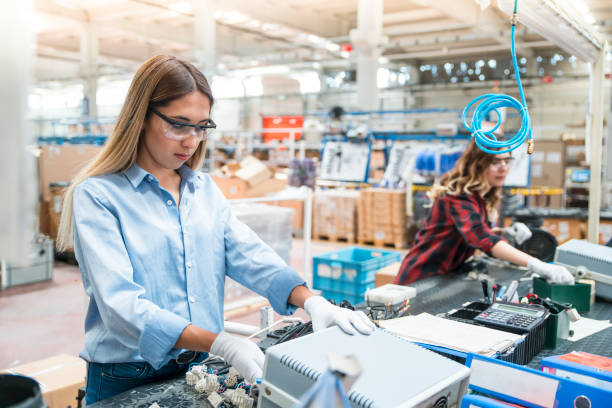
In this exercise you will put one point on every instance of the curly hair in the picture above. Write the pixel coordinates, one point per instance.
(469, 176)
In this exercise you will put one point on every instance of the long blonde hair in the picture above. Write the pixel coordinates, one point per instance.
(159, 81)
(469, 177)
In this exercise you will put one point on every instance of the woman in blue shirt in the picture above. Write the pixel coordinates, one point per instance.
(155, 239)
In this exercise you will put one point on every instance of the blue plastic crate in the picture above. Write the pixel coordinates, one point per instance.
(352, 264)
(338, 297)
(336, 285)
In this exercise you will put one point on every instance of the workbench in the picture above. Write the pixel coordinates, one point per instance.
(435, 295)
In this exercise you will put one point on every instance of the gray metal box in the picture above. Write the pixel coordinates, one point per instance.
(596, 258)
(395, 372)
(38, 268)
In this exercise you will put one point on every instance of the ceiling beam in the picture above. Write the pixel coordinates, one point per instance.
(411, 15)
(443, 52)
(488, 21)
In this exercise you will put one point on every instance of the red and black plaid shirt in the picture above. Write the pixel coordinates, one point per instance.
(455, 228)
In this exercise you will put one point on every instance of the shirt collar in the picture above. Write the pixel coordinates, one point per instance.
(137, 174)
(188, 174)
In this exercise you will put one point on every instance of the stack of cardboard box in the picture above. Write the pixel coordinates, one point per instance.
(334, 215)
(547, 170)
(382, 217)
(57, 165)
(247, 179)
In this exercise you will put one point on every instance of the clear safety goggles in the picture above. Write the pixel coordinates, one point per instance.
(498, 163)
(180, 131)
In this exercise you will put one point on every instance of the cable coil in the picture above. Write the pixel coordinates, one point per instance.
(485, 139)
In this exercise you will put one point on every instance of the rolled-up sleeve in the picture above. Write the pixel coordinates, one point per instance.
(471, 224)
(107, 274)
(254, 264)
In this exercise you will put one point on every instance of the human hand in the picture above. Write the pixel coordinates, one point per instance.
(324, 314)
(519, 232)
(242, 354)
(552, 273)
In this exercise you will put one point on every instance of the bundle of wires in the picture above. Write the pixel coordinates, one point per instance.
(487, 103)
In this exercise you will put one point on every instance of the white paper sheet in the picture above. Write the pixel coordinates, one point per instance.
(585, 327)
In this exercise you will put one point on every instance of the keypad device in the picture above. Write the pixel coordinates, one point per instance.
(517, 317)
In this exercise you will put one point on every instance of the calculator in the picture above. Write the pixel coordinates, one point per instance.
(513, 317)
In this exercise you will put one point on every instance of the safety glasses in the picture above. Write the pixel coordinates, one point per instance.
(498, 163)
(180, 131)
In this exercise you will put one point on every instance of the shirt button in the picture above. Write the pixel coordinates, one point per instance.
(191, 299)
(169, 202)
(188, 264)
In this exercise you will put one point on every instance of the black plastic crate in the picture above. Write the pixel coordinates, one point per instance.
(522, 352)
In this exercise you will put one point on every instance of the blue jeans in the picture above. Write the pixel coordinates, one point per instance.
(105, 380)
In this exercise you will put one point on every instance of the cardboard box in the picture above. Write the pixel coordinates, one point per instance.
(547, 170)
(234, 188)
(60, 378)
(387, 274)
(61, 163)
(253, 171)
(298, 219)
(57, 191)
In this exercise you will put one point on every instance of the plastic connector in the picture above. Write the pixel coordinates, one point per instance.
(215, 399)
(239, 398)
(232, 378)
(191, 378)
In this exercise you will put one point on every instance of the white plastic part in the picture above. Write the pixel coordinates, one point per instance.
(201, 385)
(390, 294)
(232, 377)
(215, 399)
(191, 378)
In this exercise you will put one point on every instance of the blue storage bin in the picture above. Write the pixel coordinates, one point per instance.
(337, 285)
(355, 265)
(339, 297)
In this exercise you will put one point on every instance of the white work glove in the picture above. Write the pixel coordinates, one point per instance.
(324, 314)
(242, 354)
(552, 273)
(519, 232)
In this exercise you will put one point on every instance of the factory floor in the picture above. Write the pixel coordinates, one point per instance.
(44, 319)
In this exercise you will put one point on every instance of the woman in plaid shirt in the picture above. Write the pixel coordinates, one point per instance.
(463, 203)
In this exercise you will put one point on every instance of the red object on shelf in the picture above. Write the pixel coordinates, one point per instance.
(547, 79)
(348, 47)
(281, 122)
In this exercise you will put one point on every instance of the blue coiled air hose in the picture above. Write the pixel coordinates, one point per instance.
(485, 139)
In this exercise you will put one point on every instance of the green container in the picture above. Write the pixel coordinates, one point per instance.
(579, 294)
(557, 328)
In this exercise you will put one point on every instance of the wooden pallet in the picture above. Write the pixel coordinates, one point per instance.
(335, 238)
(384, 244)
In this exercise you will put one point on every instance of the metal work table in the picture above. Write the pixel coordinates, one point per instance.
(435, 295)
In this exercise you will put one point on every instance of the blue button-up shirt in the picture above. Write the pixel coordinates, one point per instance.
(151, 267)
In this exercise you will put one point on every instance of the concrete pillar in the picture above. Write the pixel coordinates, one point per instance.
(18, 177)
(89, 67)
(367, 38)
(595, 135)
(204, 36)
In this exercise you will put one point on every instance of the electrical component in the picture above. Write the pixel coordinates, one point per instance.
(215, 399)
(239, 398)
(587, 260)
(200, 386)
(293, 367)
(191, 378)
(487, 103)
(232, 378)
